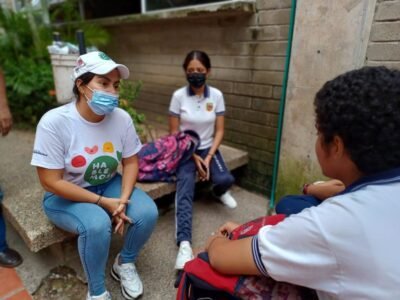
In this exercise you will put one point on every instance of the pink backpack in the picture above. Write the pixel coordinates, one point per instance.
(159, 160)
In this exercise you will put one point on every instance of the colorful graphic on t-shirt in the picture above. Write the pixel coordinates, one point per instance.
(78, 161)
(119, 155)
(100, 170)
(209, 106)
(108, 147)
(92, 150)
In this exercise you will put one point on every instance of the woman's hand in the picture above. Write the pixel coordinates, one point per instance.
(119, 218)
(223, 232)
(202, 167)
(228, 227)
(207, 162)
(117, 209)
(6, 120)
(121, 207)
(119, 225)
(110, 204)
(324, 189)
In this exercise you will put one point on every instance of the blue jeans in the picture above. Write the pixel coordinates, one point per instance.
(93, 226)
(3, 243)
(293, 204)
(220, 177)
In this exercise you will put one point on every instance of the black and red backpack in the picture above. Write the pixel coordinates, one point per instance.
(199, 281)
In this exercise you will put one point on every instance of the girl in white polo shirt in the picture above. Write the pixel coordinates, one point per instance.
(200, 108)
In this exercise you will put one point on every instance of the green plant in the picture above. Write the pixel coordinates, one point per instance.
(26, 65)
(128, 92)
(25, 60)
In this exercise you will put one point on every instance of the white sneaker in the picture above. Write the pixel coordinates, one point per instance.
(228, 200)
(131, 285)
(105, 296)
(185, 254)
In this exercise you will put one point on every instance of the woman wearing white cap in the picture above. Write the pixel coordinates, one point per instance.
(77, 150)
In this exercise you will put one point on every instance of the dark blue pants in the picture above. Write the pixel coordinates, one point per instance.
(293, 204)
(3, 244)
(221, 179)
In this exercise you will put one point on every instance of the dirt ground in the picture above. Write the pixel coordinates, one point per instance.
(62, 284)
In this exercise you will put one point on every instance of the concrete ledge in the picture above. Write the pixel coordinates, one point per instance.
(233, 157)
(22, 205)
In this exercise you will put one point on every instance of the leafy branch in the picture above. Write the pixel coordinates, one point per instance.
(128, 92)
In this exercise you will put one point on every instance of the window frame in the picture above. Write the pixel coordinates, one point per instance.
(228, 7)
(143, 5)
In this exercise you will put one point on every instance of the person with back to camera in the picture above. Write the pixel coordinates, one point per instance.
(77, 149)
(9, 258)
(347, 247)
(198, 107)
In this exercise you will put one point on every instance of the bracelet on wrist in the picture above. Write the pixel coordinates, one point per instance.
(99, 199)
(305, 187)
(209, 154)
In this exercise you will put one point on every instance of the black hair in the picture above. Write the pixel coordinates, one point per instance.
(362, 107)
(86, 78)
(200, 56)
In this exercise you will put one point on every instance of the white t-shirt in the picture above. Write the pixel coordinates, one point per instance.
(198, 113)
(348, 247)
(88, 152)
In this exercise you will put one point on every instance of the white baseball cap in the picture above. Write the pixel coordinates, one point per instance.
(98, 63)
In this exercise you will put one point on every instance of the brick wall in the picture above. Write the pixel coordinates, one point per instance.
(384, 43)
(247, 53)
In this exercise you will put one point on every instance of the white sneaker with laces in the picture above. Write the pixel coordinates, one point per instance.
(228, 200)
(105, 296)
(131, 285)
(185, 254)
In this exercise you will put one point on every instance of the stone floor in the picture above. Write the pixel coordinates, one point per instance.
(46, 276)
(11, 287)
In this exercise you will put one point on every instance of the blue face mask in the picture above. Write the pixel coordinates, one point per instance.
(102, 103)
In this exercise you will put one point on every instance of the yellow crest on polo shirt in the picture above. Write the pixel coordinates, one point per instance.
(209, 106)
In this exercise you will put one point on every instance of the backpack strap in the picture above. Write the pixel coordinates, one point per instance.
(251, 228)
(183, 287)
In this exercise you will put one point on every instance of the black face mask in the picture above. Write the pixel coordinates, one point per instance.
(196, 80)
